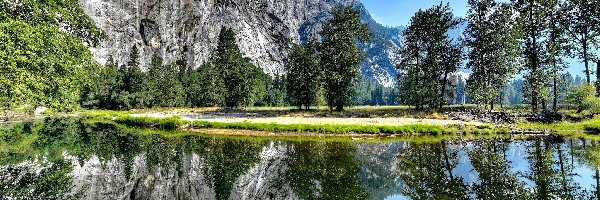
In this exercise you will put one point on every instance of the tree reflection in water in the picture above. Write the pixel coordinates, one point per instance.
(72, 158)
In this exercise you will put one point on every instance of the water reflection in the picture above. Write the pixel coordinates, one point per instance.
(68, 158)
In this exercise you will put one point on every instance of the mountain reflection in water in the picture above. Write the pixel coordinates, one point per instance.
(70, 158)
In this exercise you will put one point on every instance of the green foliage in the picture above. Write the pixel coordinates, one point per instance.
(206, 87)
(592, 103)
(163, 84)
(581, 18)
(428, 54)
(368, 92)
(104, 90)
(340, 57)
(577, 95)
(275, 91)
(68, 15)
(304, 75)
(41, 66)
(243, 79)
(493, 49)
(533, 29)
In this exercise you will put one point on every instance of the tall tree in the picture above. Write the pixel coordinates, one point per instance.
(493, 49)
(304, 75)
(556, 47)
(532, 19)
(429, 55)
(581, 20)
(243, 79)
(340, 56)
(133, 81)
(206, 87)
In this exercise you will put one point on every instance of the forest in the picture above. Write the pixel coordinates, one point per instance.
(512, 53)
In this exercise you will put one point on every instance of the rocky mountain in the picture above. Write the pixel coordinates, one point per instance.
(266, 30)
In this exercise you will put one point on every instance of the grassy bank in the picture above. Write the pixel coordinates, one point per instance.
(590, 126)
(173, 123)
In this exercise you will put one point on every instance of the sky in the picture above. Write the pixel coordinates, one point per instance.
(398, 12)
(395, 13)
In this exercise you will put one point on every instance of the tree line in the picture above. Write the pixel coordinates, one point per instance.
(502, 39)
(317, 73)
(228, 79)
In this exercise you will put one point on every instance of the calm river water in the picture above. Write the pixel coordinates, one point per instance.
(74, 159)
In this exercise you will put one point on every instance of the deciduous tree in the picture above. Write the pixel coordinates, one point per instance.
(340, 57)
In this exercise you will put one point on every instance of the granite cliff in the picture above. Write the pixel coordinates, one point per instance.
(266, 30)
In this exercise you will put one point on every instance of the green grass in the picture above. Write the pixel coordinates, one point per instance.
(173, 123)
(566, 128)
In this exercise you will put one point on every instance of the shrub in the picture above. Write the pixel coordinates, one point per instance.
(577, 95)
(592, 104)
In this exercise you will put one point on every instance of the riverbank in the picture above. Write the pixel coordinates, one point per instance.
(355, 122)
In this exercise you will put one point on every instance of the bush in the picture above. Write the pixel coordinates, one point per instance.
(592, 104)
(577, 95)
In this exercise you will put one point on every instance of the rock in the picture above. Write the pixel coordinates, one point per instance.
(266, 31)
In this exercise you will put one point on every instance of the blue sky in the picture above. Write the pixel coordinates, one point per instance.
(398, 13)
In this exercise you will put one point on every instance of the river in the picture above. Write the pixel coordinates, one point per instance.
(77, 159)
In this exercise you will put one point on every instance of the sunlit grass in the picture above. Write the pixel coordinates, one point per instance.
(174, 123)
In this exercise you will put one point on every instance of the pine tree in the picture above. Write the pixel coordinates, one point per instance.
(493, 49)
(206, 86)
(428, 54)
(153, 80)
(133, 83)
(242, 79)
(304, 75)
(340, 57)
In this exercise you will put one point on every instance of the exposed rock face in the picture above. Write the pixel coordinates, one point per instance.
(266, 30)
(262, 180)
(97, 180)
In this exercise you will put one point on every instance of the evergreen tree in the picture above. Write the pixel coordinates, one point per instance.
(104, 91)
(493, 49)
(340, 57)
(206, 87)
(132, 95)
(275, 90)
(532, 18)
(171, 90)
(242, 78)
(428, 54)
(152, 82)
(163, 84)
(304, 76)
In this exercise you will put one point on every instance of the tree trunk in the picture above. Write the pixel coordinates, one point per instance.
(555, 88)
(339, 107)
(442, 101)
(492, 105)
(585, 59)
(533, 59)
(598, 78)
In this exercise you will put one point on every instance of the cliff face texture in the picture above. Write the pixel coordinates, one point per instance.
(266, 30)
